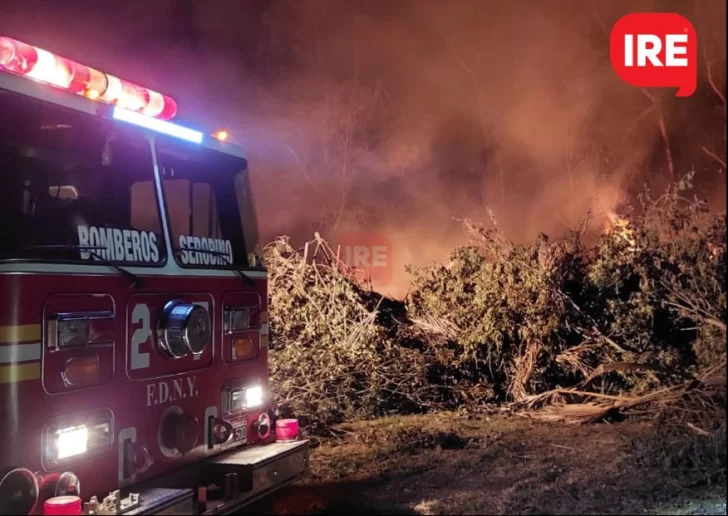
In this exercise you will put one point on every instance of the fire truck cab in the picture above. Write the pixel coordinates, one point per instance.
(133, 305)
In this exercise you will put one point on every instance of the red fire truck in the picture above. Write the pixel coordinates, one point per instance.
(133, 305)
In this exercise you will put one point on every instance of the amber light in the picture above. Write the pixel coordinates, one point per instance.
(221, 135)
(244, 347)
(82, 371)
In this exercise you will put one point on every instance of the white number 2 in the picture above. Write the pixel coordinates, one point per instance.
(141, 335)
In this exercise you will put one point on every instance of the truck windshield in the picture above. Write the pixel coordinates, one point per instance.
(209, 207)
(75, 188)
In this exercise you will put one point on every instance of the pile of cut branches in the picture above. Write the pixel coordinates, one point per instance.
(330, 358)
(643, 310)
(556, 330)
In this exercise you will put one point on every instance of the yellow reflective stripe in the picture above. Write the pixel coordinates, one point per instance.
(19, 333)
(19, 373)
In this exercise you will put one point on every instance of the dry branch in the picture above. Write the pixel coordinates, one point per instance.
(581, 412)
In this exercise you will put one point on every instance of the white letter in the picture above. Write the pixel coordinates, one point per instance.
(644, 53)
(177, 385)
(150, 395)
(136, 250)
(146, 251)
(184, 258)
(361, 256)
(628, 49)
(83, 240)
(127, 246)
(163, 392)
(379, 256)
(118, 244)
(204, 244)
(196, 245)
(191, 385)
(215, 244)
(153, 247)
(106, 239)
(347, 256)
(672, 50)
(94, 241)
(212, 245)
(229, 251)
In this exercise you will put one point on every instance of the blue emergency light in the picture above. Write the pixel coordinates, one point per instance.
(157, 125)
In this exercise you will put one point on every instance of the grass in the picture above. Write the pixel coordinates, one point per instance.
(455, 464)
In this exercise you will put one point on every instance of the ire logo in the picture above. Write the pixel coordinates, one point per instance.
(369, 255)
(655, 50)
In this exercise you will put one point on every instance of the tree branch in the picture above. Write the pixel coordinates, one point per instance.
(714, 156)
(303, 165)
(663, 132)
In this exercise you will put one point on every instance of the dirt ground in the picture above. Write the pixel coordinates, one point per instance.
(454, 464)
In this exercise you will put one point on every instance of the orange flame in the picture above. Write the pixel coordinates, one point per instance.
(621, 228)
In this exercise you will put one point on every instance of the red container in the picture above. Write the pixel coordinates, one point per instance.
(63, 505)
(286, 430)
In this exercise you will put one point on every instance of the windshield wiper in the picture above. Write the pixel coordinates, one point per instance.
(242, 274)
(135, 280)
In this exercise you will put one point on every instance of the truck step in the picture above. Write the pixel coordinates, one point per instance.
(249, 474)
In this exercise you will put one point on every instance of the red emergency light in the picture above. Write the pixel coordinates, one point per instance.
(29, 61)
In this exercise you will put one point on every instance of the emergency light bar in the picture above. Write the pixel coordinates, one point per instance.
(35, 63)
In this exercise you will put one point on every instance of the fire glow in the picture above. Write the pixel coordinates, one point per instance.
(621, 227)
(35, 63)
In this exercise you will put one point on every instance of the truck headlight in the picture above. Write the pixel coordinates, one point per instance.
(72, 439)
(240, 400)
(254, 396)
